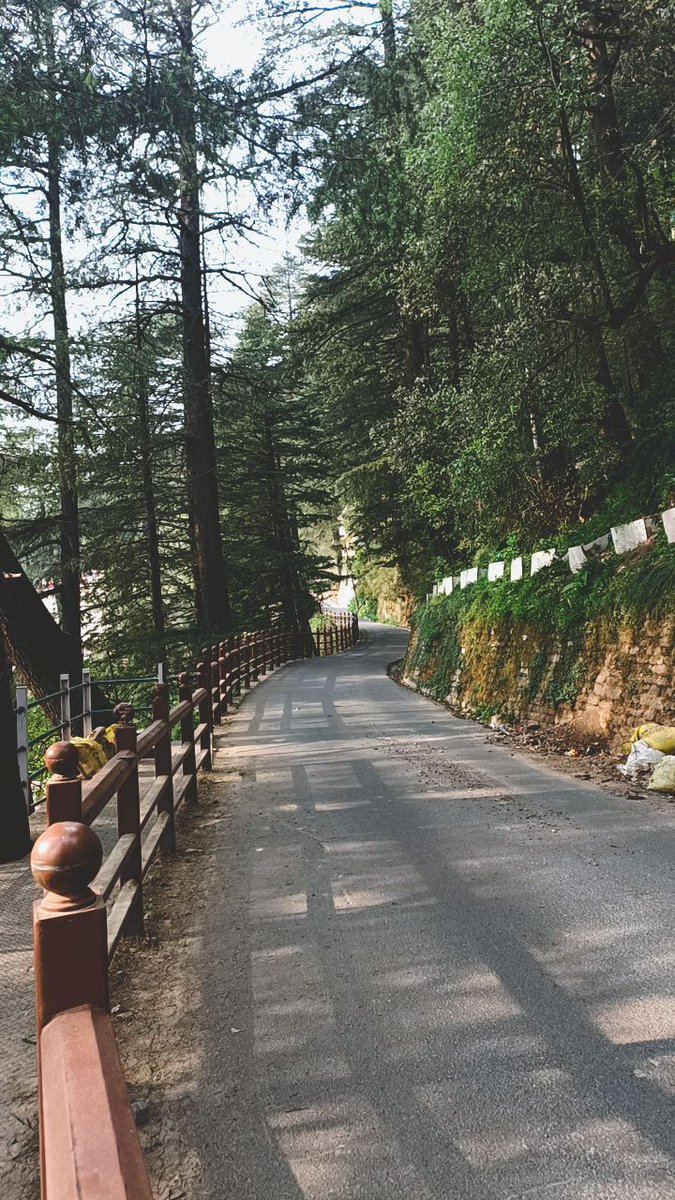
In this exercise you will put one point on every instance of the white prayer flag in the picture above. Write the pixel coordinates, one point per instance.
(541, 558)
(496, 571)
(516, 569)
(599, 544)
(628, 537)
(668, 518)
(576, 558)
(468, 576)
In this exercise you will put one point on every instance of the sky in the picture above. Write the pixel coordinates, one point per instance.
(232, 41)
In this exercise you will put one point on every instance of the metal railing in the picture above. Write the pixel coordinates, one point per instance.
(63, 727)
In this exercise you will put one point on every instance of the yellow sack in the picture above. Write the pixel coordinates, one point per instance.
(109, 736)
(659, 737)
(663, 775)
(91, 755)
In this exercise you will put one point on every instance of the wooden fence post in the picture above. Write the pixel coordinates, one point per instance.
(263, 652)
(129, 821)
(163, 765)
(237, 652)
(222, 677)
(214, 676)
(204, 667)
(64, 789)
(69, 922)
(205, 742)
(247, 660)
(187, 733)
(254, 658)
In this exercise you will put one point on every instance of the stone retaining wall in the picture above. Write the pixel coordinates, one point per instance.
(599, 685)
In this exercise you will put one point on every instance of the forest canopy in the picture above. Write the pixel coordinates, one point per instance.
(470, 347)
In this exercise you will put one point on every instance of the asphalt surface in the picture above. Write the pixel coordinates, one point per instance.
(431, 969)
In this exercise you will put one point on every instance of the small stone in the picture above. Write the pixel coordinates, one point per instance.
(141, 1112)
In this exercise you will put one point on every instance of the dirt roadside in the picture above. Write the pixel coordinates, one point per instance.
(156, 997)
(570, 755)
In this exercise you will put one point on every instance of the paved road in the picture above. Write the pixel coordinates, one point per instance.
(431, 969)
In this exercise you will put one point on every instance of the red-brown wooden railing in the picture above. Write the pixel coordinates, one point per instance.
(89, 1147)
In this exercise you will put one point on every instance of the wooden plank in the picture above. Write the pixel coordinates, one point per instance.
(119, 913)
(98, 791)
(199, 731)
(200, 756)
(150, 797)
(178, 756)
(181, 789)
(90, 1145)
(113, 865)
(148, 738)
(181, 710)
(153, 839)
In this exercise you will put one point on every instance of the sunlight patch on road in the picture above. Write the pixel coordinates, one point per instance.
(637, 1019)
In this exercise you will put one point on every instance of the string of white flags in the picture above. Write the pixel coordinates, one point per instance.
(622, 537)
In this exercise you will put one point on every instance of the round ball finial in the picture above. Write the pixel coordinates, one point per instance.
(64, 860)
(61, 758)
(124, 713)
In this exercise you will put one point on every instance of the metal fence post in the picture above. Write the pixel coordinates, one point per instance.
(65, 707)
(87, 723)
(22, 744)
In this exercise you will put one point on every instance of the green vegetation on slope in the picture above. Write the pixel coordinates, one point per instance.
(557, 610)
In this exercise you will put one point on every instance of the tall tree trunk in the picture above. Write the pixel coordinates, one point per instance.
(293, 602)
(35, 644)
(213, 607)
(145, 447)
(615, 424)
(412, 328)
(14, 832)
(69, 596)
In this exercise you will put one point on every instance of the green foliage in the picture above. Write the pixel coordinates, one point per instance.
(499, 349)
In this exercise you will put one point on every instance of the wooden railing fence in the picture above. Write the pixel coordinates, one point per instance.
(89, 1146)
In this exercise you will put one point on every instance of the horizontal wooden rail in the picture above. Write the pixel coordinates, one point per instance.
(89, 1146)
(146, 803)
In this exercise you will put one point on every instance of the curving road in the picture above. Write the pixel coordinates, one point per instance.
(431, 969)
